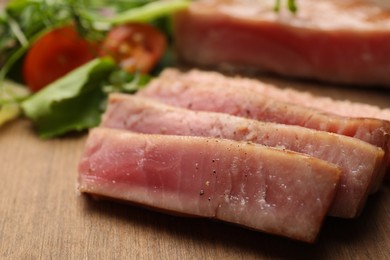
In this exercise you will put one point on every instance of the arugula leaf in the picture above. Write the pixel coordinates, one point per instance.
(72, 102)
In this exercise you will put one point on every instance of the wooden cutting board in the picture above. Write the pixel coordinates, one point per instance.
(42, 216)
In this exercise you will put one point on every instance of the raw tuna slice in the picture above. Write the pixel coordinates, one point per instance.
(282, 193)
(331, 40)
(242, 102)
(288, 95)
(359, 162)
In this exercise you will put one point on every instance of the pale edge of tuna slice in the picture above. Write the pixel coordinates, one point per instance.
(326, 39)
(242, 102)
(358, 160)
(282, 193)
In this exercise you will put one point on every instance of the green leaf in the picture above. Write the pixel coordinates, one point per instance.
(148, 12)
(72, 102)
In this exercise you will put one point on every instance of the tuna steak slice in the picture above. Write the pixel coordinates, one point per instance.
(358, 161)
(282, 193)
(330, 40)
(242, 102)
(288, 95)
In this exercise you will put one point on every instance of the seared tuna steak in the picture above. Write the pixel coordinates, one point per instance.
(359, 162)
(278, 192)
(246, 103)
(330, 40)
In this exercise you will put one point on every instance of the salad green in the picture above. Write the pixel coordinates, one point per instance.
(75, 101)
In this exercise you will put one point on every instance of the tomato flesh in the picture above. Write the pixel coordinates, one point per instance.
(135, 46)
(55, 54)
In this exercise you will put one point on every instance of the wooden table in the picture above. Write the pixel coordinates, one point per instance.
(42, 216)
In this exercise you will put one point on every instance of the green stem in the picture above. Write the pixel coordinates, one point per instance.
(148, 12)
(11, 61)
(17, 31)
(292, 6)
(277, 6)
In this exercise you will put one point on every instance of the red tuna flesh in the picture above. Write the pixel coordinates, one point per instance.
(245, 103)
(282, 193)
(323, 104)
(359, 161)
(330, 40)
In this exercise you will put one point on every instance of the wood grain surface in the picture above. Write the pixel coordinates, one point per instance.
(42, 216)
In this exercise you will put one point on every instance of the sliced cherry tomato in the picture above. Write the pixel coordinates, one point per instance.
(135, 46)
(55, 54)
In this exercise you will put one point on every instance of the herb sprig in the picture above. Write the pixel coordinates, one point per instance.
(291, 5)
